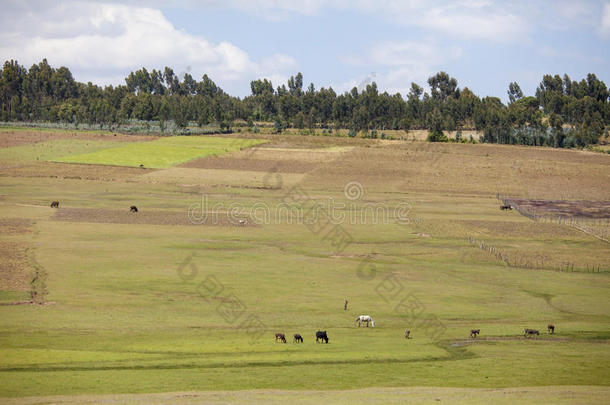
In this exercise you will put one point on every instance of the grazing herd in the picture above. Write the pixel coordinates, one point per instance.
(526, 332)
(321, 335)
(297, 338)
(55, 204)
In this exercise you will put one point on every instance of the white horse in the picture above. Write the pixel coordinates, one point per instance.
(367, 319)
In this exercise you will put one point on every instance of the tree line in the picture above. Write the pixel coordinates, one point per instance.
(562, 113)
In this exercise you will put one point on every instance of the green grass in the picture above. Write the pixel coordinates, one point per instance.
(161, 153)
(122, 320)
(51, 150)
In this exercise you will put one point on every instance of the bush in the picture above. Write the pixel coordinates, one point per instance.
(437, 136)
(278, 126)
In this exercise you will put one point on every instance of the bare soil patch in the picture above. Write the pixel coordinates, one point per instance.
(251, 165)
(14, 275)
(581, 208)
(280, 157)
(144, 217)
(15, 226)
(10, 138)
(74, 171)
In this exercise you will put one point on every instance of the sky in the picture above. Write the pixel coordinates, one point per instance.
(484, 44)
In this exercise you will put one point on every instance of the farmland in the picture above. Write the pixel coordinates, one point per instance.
(180, 301)
(161, 153)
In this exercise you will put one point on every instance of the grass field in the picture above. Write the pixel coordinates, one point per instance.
(161, 153)
(164, 307)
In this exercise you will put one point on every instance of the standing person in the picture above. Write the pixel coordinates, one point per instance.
(345, 306)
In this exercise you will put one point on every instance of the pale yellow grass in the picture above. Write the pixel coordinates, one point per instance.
(410, 395)
(472, 169)
(317, 155)
(217, 177)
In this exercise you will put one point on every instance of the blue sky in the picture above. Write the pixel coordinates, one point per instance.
(484, 44)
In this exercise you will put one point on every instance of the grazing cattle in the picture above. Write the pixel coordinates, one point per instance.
(55, 204)
(506, 207)
(474, 332)
(367, 319)
(321, 335)
(297, 338)
(530, 332)
(281, 337)
(407, 333)
(133, 208)
(551, 328)
(241, 222)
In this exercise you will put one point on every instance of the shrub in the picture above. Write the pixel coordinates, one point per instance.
(437, 136)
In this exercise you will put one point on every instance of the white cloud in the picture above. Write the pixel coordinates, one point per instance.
(101, 42)
(474, 19)
(403, 62)
(467, 19)
(604, 27)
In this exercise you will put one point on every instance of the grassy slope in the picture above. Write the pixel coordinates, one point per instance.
(124, 321)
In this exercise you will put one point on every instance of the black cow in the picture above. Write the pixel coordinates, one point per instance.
(506, 207)
(297, 338)
(321, 335)
(133, 208)
(551, 328)
(530, 332)
(55, 204)
(281, 337)
(474, 332)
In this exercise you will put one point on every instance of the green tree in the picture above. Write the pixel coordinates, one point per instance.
(443, 86)
(299, 120)
(514, 92)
